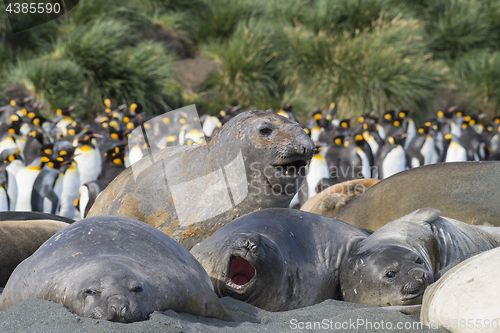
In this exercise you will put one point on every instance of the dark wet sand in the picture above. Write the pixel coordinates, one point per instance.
(41, 316)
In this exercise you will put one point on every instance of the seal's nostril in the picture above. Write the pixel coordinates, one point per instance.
(123, 312)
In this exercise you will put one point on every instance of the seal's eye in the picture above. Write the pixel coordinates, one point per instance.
(265, 130)
(90, 292)
(137, 289)
(390, 274)
(418, 261)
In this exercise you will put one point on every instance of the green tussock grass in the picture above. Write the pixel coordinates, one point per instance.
(248, 68)
(380, 68)
(218, 19)
(57, 82)
(477, 73)
(458, 26)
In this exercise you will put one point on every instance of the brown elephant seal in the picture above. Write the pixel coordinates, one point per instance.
(397, 262)
(278, 259)
(329, 201)
(257, 160)
(465, 298)
(465, 191)
(20, 239)
(114, 268)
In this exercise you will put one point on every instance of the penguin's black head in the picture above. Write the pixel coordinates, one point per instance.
(287, 107)
(74, 128)
(345, 123)
(389, 115)
(359, 140)
(404, 113)
(424, 130)
(399, 139)
(397, 122)
(339, 140)
(135, 108)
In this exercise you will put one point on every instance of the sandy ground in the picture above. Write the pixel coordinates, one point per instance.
(41, 316)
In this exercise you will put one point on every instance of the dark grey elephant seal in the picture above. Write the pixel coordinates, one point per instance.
(397, 262)
(256, 161)
(466, 191)
(114, 268)
(278, 259)
(20, 239)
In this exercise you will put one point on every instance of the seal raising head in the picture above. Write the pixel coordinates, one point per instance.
(257, 160)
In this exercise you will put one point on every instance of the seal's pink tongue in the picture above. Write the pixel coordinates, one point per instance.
(241, 271)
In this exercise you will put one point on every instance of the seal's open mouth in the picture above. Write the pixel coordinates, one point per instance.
(292, 169)
(240, 273)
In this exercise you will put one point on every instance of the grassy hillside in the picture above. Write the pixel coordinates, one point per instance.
(362, 54)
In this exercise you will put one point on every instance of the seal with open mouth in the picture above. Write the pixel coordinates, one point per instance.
(278, 259)
(396, 263)
(257, 160)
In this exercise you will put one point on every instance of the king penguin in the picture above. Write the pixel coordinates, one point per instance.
(318, 169)
(354, 162)
(25, 178)
(88, 194)
(453, 151)
(47, 188)
(391, 157)
(88, 157)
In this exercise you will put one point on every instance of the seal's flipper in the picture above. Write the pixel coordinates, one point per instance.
(424, 216)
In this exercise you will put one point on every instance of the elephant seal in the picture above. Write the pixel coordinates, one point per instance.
(278, 259)
(23, 216)
(114, 268)
(20, 239)
(257, 160)
(465, 191)
(397, 262)
(465, 294)
(329, 201)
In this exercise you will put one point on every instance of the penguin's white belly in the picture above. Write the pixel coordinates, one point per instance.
(69, 194)
(456, 153)
(365, 170)
(89, 164)
(25, 179)
(394, 162)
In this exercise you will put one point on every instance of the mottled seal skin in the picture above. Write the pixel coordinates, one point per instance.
(278, 259)
(467, 291)
(114, 268)
(465, 191)
(273, 151)
(397, 262)
(20, 239)
(329, 201)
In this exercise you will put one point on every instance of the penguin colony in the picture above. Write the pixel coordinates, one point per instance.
(60, 166)
(379, 147)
